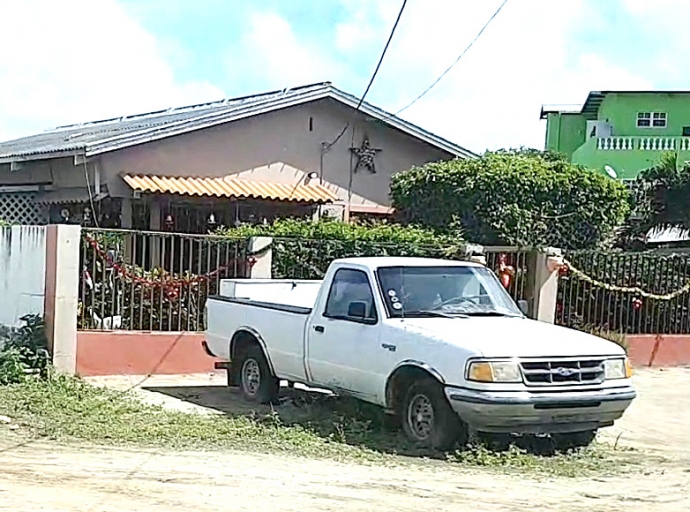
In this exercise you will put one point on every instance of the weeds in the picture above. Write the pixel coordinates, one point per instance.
(68, 409)
(24, 351)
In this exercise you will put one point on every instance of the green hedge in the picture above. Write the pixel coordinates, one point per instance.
(520, 197)
(303, 249)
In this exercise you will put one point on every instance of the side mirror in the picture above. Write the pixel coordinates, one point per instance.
(357, 310)
(524, 306)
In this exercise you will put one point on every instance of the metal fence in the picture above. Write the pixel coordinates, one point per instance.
(585, 305)
(518, 260)
(154, 281)
(136, 280)
(299, 258)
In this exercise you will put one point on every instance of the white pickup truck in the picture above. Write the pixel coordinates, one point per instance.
(438, 343)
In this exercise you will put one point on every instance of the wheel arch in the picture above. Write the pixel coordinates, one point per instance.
(402, 376)
(247, 336)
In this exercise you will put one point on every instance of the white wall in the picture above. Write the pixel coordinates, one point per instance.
(22, 273)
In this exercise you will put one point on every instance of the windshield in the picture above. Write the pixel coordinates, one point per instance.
(444, 291)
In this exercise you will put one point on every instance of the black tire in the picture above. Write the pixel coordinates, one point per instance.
(572, 440)
(255, 379)
(428, 419)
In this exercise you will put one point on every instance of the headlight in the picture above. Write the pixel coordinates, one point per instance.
(499, 371)
(617, 369)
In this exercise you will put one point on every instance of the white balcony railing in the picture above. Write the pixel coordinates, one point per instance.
(643, 143)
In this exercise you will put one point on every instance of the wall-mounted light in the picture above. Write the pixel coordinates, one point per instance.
(310, 176)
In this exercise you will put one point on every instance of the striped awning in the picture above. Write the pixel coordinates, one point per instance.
(231, 187)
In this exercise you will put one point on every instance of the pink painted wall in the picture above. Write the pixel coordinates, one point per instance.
(50, 283)
(659, 350)
(141, 353)
(285, 136)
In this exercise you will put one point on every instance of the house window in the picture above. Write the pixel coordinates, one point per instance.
(659, 119)
(651, 119)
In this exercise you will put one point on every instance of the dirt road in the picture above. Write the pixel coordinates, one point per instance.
(59, 478)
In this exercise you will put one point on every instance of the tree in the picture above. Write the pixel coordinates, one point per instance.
(516, 197)
(662, 198)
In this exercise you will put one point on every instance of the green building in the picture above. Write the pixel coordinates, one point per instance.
(620, 133)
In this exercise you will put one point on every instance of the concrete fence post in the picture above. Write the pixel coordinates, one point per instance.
(260, 249)
(61, 294)
(544, 268)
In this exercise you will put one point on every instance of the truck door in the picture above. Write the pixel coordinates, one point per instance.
(344, 336)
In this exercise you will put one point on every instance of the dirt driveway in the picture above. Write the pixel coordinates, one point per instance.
(60, 478)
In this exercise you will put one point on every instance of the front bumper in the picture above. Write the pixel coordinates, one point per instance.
(524, 412)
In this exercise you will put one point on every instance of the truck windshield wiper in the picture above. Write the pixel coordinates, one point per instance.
(434, 314)
(489, 313)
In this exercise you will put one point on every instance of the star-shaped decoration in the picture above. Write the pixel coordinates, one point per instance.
(365, 155)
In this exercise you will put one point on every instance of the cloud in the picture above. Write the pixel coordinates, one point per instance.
(527, 57)
(271, 53)
(79, 60)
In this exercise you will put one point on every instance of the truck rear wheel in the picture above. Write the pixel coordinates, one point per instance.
(428, 419)
(256, 381)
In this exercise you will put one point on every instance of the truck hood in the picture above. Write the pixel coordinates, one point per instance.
(511, 337)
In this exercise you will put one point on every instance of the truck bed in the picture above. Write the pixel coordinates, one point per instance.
(227, 315)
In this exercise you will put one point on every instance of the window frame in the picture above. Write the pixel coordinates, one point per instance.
(374, 307)
(651, 117)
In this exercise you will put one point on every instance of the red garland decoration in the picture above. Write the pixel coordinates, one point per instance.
(170, 285)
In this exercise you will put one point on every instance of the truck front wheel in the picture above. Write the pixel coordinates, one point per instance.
(257, 383)
(428, 419)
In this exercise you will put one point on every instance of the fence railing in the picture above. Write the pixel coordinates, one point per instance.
(299, 258)
(585, 305)
(153, 281)
(134, 280)
(518, 259)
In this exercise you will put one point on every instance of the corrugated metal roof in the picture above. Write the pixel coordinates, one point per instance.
(112, 134)
(230, 187)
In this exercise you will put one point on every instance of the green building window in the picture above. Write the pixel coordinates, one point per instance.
(651, 119)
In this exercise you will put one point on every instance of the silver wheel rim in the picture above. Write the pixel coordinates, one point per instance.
(251, 377)
(420, 417)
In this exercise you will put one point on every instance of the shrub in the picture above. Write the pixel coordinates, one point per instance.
(304, 249)
(515, 197)
(25, 349)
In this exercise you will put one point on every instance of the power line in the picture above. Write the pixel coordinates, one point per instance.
(456, 60)
(328, 145)
(383, 54)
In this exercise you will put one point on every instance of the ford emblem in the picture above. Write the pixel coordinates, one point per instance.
(566, 372)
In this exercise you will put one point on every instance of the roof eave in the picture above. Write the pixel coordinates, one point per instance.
(28, 157)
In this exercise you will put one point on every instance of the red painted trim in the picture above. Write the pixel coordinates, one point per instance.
(659, 350)
(141, 353)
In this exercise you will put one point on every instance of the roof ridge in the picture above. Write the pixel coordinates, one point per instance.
(188, 108)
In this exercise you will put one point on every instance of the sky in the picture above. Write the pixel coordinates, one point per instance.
(71, 61)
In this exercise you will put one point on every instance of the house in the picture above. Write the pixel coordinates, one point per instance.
(621, 133)
(294, 152)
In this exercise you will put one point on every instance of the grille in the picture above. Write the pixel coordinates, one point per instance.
(563, 373)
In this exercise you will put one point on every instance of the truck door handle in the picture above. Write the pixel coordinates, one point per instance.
(388, 347)
(319, 328)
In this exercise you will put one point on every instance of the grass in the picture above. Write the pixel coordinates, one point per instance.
(68, 409)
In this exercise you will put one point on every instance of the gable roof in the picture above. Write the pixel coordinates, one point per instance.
(98, 137)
